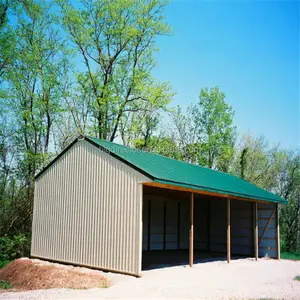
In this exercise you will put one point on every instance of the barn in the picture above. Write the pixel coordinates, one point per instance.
(107, 206)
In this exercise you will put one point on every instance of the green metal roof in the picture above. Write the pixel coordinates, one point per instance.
(165, 170)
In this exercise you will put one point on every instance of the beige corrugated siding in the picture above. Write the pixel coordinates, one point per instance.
(88, 211)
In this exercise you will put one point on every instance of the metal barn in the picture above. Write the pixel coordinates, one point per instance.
(107, 206)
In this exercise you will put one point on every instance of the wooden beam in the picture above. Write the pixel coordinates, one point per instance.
(191, 248)
(228, 231)
(255, 231)
(270, 219)
(200, 192)
(277, 235)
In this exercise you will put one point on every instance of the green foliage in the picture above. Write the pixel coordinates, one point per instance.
(290, 255)
(297, 278)
(116, 40)
(206, 134)
(160, 145)
(4, 263)
(14, 247)
(5, 285)
(214, 119)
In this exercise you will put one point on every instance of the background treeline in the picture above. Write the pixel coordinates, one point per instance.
(70, 68)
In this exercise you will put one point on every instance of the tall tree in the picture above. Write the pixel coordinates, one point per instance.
(7, 37)
(32, 84)
(206, 134)
(116, 40)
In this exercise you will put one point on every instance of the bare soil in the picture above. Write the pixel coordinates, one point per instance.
(34, 274)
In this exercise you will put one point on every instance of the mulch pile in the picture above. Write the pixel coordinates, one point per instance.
(33, 274)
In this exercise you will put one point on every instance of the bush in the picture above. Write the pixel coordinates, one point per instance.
(14, 247)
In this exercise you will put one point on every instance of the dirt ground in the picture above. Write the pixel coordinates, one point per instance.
(241, 279)
(34, 274)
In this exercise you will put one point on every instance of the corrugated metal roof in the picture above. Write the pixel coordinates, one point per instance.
(170, 171)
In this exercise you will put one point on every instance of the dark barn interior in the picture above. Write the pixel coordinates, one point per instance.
(167, 227)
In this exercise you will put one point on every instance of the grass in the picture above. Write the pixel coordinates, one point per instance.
(5, 285)
(4, 263)
(290, 255)
(297, 278)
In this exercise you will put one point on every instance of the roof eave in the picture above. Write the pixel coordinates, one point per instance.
(210, 192)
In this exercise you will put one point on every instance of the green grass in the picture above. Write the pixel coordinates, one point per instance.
(5, 285)
(290, 255)
(4, 263)
(297, 278)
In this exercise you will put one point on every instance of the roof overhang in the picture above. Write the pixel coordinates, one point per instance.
(204, 192)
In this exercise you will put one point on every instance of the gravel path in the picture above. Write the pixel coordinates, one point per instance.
(241, 279)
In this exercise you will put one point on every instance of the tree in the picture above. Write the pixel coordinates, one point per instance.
(7, 38)
(216, 132)
(32, 99)
(116, 40)
(258, 162)
(289, 188)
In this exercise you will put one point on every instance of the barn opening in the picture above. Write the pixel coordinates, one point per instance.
(167, 226)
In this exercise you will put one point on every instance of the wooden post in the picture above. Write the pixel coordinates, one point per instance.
(228, 231)
(255, 232)
(191, 229)
(277, 235)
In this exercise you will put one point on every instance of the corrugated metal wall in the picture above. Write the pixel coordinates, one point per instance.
(268, 243)
(169, 223)
(218, 225)
(171, 216)
(201, 223)
(87, 210)
(242, 230)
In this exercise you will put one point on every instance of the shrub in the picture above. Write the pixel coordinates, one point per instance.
(14, 247)
(5, 285)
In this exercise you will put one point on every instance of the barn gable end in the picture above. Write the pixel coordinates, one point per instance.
(87, 211)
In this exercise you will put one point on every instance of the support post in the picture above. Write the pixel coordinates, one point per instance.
(228, 231)
(191, 254)
(277, 234)
(255, 231)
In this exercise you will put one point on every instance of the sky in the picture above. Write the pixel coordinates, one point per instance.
(250, 49)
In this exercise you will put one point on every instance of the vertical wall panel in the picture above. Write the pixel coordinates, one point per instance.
(87, 210)
(201, 223)
(267, 246)
(184, 224)
(218, 227)
(157, 224)
(241, 227)
(171, 224)
(164, 218)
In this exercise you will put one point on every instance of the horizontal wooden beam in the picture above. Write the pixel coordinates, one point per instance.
(200, 192)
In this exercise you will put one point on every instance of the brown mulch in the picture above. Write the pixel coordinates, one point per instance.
(33, 274)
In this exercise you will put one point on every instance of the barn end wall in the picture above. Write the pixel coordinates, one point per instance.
(88, 211)
(267, 230)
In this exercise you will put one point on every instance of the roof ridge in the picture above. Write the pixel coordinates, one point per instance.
(166, 157)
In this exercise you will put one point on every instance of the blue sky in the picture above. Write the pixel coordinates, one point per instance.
(249, 49)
